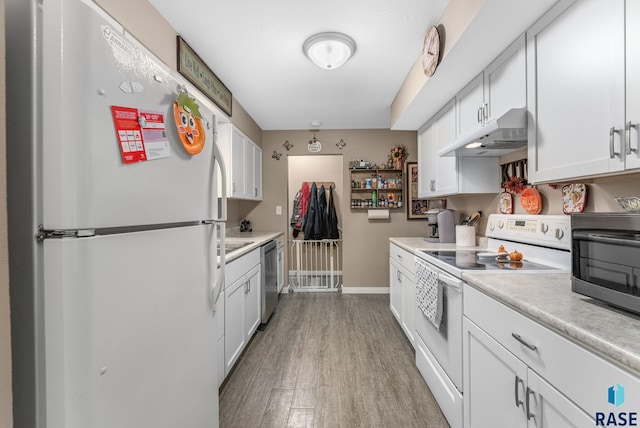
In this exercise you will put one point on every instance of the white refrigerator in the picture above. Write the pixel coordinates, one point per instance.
(113, 262)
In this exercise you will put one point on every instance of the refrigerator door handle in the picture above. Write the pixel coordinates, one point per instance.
(219, 160)
(217, 273)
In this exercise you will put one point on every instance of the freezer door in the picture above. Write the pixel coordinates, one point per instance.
(130, 336)
(89, 66)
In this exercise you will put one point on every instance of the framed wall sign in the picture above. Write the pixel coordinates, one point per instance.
(196, 71)
(416, 207)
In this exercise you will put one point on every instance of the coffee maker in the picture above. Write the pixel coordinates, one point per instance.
(440, 226)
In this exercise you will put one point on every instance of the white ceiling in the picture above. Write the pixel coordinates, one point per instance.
(255, 48)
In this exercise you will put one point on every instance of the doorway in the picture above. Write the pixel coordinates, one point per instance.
(315, 264)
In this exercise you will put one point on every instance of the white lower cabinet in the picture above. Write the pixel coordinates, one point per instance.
(252, 301)
(402, 284)
(500, 390)
(242, 305)
(518, 373)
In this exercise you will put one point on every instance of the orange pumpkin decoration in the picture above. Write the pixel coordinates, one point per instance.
(186, 115)
(531, 201)
(515, 256)
(501, 249)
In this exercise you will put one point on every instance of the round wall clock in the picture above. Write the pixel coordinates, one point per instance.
(431, 51)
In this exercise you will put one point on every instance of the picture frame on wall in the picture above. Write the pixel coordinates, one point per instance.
(416, 207)
(197, 72)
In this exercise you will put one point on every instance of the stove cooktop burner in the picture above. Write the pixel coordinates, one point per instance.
(469, 260)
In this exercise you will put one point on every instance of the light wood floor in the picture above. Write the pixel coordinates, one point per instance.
(329, 360)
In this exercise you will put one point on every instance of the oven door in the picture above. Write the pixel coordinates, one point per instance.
(445, 343)
(606, 266)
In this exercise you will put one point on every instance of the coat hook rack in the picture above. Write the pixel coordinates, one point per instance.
(287, 145)
(276, 155)
(341, 144)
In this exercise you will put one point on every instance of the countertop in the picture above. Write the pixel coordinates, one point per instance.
(257, 239)
(548, 299)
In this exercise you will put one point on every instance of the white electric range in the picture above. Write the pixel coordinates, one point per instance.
(544, 241)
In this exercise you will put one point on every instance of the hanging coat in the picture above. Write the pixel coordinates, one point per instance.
(322, 213)
(304, 204)
(300, 203)
(332, 217)
(311, 225)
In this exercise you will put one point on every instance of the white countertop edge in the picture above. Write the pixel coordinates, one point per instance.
(257, 239)
(413, 244)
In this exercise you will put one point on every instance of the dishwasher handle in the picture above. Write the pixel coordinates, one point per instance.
(451, 281)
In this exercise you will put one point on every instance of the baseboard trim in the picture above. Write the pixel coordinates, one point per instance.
(365, 290)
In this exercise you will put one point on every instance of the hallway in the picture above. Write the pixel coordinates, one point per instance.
(329, 360)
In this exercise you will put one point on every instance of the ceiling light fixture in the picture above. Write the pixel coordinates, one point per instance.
(329, 50)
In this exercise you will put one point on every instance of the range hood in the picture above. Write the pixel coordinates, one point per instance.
(498, 137)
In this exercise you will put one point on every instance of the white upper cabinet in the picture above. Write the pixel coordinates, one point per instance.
(505, 81)
(576, 90)
(499, 88)
(243, 159)
(437, 176)
(447, 167)
(632, 151)
(427, 160)
(449, 175)
(470, 106)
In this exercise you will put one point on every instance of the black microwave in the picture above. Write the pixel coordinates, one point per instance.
(605, 257)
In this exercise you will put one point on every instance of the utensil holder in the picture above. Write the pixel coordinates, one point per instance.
(465, 236)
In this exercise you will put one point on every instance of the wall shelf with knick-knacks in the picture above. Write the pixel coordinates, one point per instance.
(377, 188)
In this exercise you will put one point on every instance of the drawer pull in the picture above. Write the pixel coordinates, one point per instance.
(521, 340)
(518, 381)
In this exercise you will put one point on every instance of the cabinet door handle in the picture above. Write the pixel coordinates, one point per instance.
(485, 111)
(234, 188)
(530, 414)
(479, 114)
(399, 256)
(612, 152)
(516, 392)
(521, 340)
(627, 132)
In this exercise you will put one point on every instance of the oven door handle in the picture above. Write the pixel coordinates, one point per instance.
(451, 281)
(607, 239)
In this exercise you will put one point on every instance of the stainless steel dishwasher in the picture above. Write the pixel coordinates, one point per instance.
(269, 279)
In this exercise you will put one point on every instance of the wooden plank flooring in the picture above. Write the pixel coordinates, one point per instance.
(329, 360)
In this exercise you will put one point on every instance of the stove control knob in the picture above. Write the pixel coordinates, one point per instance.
(492, 227)
(501, 224)
(559, 233)
(544, 227)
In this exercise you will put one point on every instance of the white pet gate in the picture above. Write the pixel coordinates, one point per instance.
(315, 265)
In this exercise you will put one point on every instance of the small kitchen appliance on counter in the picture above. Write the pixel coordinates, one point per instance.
(440, 226)
(545, 243)
(606, 257)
